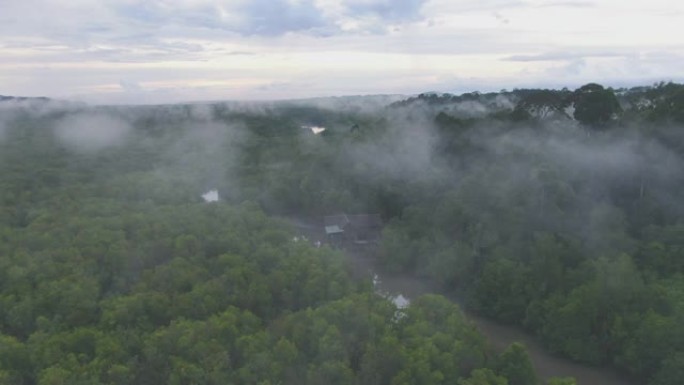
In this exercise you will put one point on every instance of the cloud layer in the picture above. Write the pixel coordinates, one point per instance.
(92, 132)
(154, 51)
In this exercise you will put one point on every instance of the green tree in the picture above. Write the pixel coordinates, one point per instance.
(561, 381)
(595, 106)
(514, 364)
(671, 371)
(15, 364)
(483, 377)
(540, 105)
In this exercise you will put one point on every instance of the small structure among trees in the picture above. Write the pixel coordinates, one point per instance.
(353, 230)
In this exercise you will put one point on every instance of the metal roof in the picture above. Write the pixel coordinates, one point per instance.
(333, 229)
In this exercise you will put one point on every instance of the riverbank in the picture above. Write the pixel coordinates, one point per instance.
(500, 336)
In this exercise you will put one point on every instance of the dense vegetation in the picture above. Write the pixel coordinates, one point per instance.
(556, 210)
(114, 271)
(572, 231)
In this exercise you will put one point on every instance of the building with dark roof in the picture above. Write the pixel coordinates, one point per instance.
(353, 230)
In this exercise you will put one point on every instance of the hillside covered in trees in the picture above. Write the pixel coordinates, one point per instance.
(556, 210)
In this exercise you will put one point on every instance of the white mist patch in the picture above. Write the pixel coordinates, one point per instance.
(400, 301)
(315, 129)
(202, 112)
(211, 196)
(404, 152)
(91, 132)
(570, 110)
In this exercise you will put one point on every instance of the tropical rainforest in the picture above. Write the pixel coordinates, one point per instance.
(558, 211)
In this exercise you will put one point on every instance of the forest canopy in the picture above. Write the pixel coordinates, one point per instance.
(555, 210)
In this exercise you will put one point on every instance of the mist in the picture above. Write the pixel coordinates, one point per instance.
(90, 132)
(524, 209)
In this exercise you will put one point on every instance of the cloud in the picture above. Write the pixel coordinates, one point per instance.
(247, 18)
(277, 17)
(91, 132)
(499, 5)
(273, 18)
(240, 53)
(575, 67)
(387, 10)
(503, 19)
(569, 4)
(562, 56)
(486, 6)
(276, 86)
(223, 49)
(129, 86)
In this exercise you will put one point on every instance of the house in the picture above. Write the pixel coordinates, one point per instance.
(353, 230)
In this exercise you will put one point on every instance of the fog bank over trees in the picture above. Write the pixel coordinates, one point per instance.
(559, 211)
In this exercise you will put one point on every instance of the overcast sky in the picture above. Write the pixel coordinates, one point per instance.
(158, 51)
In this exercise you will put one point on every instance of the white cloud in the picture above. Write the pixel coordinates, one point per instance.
(91, 132)
(163, 50)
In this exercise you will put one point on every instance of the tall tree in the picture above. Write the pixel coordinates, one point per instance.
(595, 106)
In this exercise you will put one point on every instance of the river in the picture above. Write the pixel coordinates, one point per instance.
(499, 336)
(404, 287)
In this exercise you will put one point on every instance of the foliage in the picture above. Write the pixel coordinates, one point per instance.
(594, 105)
(114, 271)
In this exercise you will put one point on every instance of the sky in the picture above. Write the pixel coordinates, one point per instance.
(166, 51)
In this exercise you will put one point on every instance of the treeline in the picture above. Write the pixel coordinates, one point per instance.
(565, 219)
(113, 271)
(592, 104)
(556, 210)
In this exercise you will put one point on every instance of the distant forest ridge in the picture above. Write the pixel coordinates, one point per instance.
(662, 98)
(5, 98)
